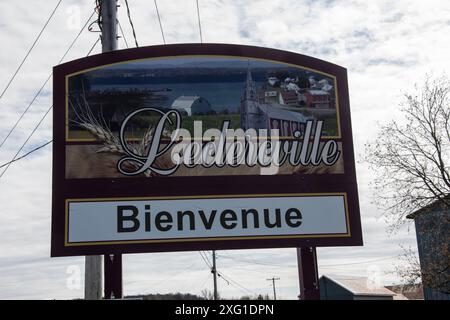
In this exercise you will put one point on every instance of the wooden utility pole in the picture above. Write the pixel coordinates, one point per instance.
(93, 278)
(214, 272)
(113, 263)
(109, 25)
(308, 273)
(273, 279)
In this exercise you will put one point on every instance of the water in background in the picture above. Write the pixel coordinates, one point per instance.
(221, 95)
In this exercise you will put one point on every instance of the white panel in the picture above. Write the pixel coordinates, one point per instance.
(98, 221)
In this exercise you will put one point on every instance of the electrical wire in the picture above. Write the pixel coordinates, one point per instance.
(263, 263)
(29, 50)
(206, 256)
(160, 24)
(123, 34)
(27, 154)
(235, 283)
(131, 23)
(205, 260)
(359, 262)
(93, 46)
(26, 141)
(43, 86)
(199, 22)
(15, 158)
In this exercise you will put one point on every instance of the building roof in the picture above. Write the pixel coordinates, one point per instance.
(359, 286)
(414, 292)
(186, 101)
(317, 92)
(292, 87)
(289, 96)
(438, 204)
(278, 111)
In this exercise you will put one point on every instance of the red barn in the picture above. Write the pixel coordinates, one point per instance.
(317, 99)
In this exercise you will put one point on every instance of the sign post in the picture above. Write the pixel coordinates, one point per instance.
(308, 273)
(113, 276)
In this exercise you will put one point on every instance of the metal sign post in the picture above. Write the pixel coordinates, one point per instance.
(113, 276)
(308, 273)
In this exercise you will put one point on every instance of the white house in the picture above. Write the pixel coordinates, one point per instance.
(192, 105)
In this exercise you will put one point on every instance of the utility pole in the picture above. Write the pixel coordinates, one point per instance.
(112, 263)
(214, 272)
(273, 279)
(93, 278)
(109, 25)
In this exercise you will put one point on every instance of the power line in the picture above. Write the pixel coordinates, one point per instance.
(251, 261)
(206, 257)
(26, 141)
(93, 46)
(360, 262)
(257, 262)
(199, 22)
(205, 260)
(14, 159)
(123, 34)
(131, 22)
(235, 283)
(29, 50)
(27, 154)
(203, 283)
(98, 9)
(160, 24)
(45, 83)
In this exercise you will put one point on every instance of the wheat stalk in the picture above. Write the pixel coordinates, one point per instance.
(86, 119)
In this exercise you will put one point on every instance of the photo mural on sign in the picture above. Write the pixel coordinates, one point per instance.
(187, 147)
(120, 106)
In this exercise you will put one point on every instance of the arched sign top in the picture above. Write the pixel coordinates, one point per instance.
(197, 49)
(201, 146)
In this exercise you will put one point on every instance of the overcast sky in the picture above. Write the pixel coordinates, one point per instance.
(386, 46)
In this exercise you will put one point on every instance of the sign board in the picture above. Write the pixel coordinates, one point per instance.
(200, 147)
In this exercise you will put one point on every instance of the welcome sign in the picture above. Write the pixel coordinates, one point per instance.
(197, 147)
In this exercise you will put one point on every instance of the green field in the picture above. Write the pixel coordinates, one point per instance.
(208, 122)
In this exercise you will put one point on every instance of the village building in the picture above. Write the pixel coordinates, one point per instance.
(269, 110)
(317, 99)
(410, 292)
(192, 105)
(354, 288)
(289, 98)
(433, 238)
(273, 81)
(324, 85)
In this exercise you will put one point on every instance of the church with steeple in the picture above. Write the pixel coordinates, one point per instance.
(252, 116)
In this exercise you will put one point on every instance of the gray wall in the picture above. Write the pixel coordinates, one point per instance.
(329, 290)
(433, 240)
